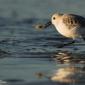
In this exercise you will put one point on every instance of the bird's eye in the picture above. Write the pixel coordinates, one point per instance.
(54, 18)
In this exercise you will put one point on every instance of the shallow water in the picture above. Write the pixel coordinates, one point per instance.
(25, 51)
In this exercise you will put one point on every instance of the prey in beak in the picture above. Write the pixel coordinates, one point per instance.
(43, 26)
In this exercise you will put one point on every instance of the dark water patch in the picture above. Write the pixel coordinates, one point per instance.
(13, 80)
(48, 38)
(55, 38)
(4, 54)
(4, 41)
(47, 83)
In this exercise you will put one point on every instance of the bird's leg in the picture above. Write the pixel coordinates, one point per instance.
(63, 45)
(77, 40)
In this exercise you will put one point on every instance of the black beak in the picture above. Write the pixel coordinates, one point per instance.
(47, 24)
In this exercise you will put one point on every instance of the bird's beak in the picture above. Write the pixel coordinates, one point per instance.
(43, 26)
(47, 24)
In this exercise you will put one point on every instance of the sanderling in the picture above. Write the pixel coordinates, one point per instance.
(69, 25)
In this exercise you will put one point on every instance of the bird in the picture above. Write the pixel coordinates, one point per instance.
(68, 25)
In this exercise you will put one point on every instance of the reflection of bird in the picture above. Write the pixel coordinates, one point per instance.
(69, 75)
(68, 57)
(68, 25)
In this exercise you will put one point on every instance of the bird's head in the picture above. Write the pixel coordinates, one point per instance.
(55, 17)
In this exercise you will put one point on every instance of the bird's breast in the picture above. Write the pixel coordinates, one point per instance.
(64, 30)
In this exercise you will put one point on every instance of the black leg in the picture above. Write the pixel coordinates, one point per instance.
(63, 45)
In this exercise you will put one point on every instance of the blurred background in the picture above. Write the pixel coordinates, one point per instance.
(39, 8)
